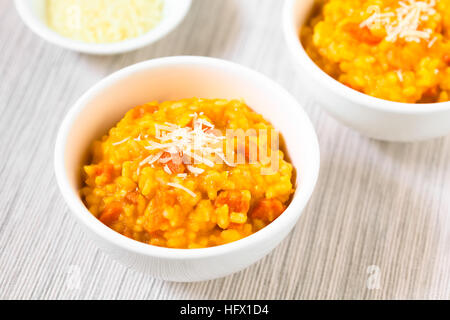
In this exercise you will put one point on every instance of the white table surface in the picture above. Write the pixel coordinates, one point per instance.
(376, 204)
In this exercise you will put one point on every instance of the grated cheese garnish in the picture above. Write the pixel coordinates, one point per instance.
(198, 142)
(120, 142)
(167, 169)
(179, 186)
(151, 159)
(404, 22)
(103, 21)
(195, 170)
(400, 75)
(431, 43)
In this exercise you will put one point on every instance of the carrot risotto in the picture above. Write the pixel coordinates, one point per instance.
(390, 49)
(176, 174)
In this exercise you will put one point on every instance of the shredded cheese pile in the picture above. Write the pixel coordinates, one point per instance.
(405, 21)
(103, 21)
(197, 144)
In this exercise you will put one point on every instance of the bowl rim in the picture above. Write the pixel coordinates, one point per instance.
(302, 58)
(42, 30)
(286, 220)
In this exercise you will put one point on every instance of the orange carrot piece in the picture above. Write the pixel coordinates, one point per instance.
(234, 199)
(268, 209)
(361, 34)
(111, 213)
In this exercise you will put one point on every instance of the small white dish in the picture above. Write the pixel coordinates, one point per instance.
(33, 15)
(176, 78)
(373, 117)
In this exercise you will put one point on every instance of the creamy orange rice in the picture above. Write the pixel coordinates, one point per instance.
(390, 49)
(139, 183)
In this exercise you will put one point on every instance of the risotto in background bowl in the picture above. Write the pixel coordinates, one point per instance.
(388, 82)
(176, 220)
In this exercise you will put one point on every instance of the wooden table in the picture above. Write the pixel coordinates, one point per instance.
(378, 225)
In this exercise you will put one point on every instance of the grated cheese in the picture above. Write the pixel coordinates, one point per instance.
(431, 43)
(179, 186)
(167, 169)
(404, 22)
(151, 159)
(198, 142)
(103, 21)
(195, 170)
(400, 75)
(120, 142)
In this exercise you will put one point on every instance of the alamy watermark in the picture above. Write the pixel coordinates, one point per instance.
(373, 281)
(204, 144)
(73, 278)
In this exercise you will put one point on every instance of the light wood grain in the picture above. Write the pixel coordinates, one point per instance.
(376, 203)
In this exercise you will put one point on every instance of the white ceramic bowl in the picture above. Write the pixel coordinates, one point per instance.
(33, 15)
(176, 78)
(376, 118)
